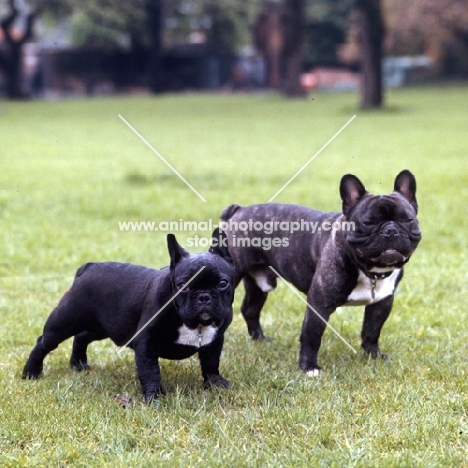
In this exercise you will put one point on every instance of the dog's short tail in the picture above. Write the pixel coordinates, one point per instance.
(82, 269)
(229, 212)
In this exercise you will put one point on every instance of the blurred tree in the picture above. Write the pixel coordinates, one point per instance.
(279, 34)
(148, 25)
(154, 24)
(134, 26)
(100, 23)
(294, 36)
(371, 34)
(327, 23)
(225, 25)
(14, 38)
(438, 28)
(269, 41)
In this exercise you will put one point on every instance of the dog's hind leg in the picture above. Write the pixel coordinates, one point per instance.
(61, 324)
(252, 304)
(79, 358)
(33, 367)
(46, 343)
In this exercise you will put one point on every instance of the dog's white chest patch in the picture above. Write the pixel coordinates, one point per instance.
(196, 337)
(364, 293)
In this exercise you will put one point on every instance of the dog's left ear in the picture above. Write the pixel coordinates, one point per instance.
(405, 184)
(176, 252)
(219, 245)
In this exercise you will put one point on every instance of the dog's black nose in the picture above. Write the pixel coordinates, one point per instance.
(390, 230)
(204, 298)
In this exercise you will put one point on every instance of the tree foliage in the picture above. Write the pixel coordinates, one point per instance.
(327, 23)
(114, 23)
(103, 23)
(224, 24)
(438, 28)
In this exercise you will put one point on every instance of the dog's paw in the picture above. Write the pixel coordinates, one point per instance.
(80, 366)
(30, 375)
(374, 352)
(256, 332)
(313, 372)
(216, 381)
(311, 369)
(31, 372)
(379, 355)
(152, 395)
(260, 337)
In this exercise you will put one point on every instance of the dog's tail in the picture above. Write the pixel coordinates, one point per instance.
(229, 212)
(82, 269)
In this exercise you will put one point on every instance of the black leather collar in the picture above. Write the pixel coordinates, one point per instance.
(374, 275)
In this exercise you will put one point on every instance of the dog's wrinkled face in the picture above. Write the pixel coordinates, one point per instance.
(207, 299)
(386, 231)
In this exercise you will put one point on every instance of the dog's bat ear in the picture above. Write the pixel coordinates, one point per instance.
(351, 191)
(219, 245)
(405, 184)
(176, 252)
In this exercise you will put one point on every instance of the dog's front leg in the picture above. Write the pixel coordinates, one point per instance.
(315, 322)
(149, 373)
(210, 356)
(375, 316)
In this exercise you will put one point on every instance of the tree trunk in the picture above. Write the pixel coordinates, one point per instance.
(293, 86)
(295, 23)
(268, 37)
(275, 44)
(371, 30)
(10, 60)
(14, 77)
(155, 65)
(294, 44)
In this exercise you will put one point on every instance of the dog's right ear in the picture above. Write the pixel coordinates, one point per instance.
(351, 191)
(176, 252)
(219, 245)
(405, 184)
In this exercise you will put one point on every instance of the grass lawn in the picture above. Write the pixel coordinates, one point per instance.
(71, 170)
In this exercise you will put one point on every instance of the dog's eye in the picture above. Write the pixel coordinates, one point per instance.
(368, 223)
(182, 286)
(223, 284)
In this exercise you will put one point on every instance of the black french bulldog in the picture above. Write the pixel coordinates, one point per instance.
(334, 265)
(170, 313)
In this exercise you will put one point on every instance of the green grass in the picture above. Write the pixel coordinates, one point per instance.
(71, 170)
